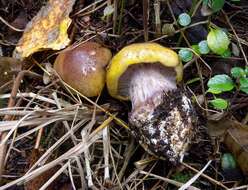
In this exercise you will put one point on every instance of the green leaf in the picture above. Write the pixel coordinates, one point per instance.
(216, 5)
(244, 85)
(246, 70)
(226, 54)
(203, 47)
(181, 177)
(237, 72)
(196, 49)
(219, 103)
(185, 55)
(218, 41)
(228, 162)
(184, 19)
(220, 83)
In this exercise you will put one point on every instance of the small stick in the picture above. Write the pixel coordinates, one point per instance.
(87, 160)
(236, 36)
(202, 86)
(109, 16)
(145, 18)
(157, 17)
(106, 145)
(115, 15)
(205, 176)
(173, 182)
(193, 179)
(9, 25)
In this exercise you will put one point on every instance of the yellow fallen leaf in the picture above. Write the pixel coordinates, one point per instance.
(47, 30)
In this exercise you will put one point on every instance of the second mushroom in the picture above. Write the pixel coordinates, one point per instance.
(162, 116)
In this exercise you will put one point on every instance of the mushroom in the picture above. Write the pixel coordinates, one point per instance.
(162, 116)
(83, 67)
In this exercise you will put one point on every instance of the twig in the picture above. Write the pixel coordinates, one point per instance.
(87, 7)
(202, 85)
(115, 16)
(173, 182)
(237, 38)
(106, 145)
(156, 6)
(178, 31)
(94, 9)
(9, 25)
(240, 187)
(145, 18)
(87, 160)
(121, 16)
(205, 176)
(193, 179)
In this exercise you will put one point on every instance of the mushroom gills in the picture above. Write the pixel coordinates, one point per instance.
(146, 82)
(162, 116)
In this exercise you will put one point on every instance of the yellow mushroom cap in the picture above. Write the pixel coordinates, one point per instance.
(136, 54)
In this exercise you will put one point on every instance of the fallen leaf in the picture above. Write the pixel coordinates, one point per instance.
(236, 140)
(235, 137)
(40, 180)
(218, 129)
(47, 30)
(8, 68)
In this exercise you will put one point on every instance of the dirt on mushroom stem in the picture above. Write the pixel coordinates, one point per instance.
(162, 116)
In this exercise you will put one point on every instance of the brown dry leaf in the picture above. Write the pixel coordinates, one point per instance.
(236, 140)
(8, 68)
(47, 30)
(40, 180)
(235, 136)
(218, 129)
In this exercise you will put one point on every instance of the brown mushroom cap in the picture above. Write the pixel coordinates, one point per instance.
(83, 67)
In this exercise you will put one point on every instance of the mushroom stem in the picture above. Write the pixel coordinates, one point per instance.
(148, 83)
(162, 116)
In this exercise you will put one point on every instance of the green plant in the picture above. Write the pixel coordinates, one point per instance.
(214, 5)
(241, 76)
(185, 54)
(219, 103)
(228, 161)
(218, 41)
(184, 19)
(203, 47)
(182, 177)
(224, 83)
